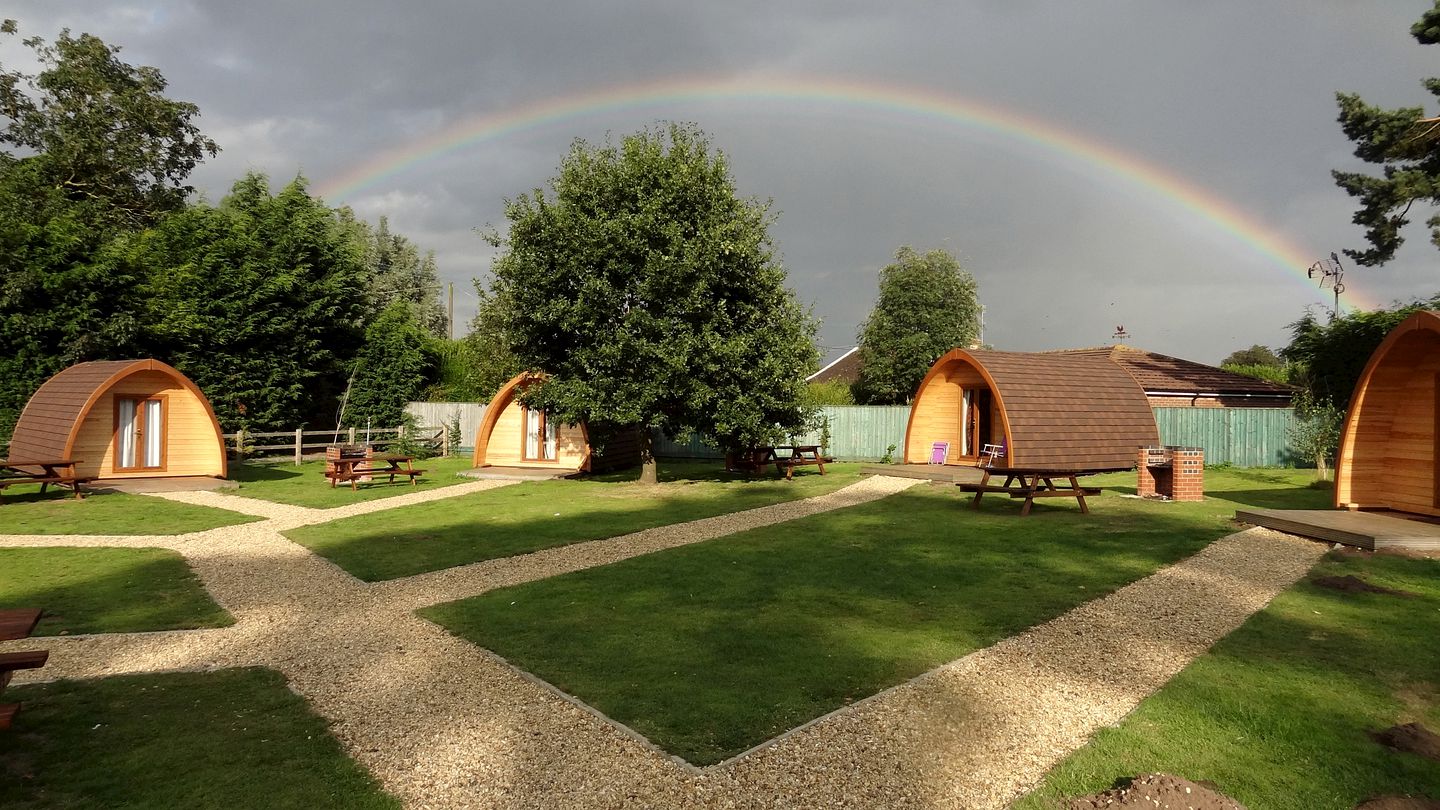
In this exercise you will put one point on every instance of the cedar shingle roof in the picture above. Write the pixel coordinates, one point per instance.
(1159, 372)
(1070, 412)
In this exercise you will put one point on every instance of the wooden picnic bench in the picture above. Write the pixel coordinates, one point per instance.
(352, 468)
(1031, 483)
(16, 624)
(785, 457)
(60, 472)
(799, 455)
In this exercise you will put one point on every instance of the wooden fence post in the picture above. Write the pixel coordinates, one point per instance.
(299, 444)
(240, 443)
(445, 442)
(352, 435)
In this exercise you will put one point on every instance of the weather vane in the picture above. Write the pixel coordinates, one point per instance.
(1120, 333)
(1330, 271)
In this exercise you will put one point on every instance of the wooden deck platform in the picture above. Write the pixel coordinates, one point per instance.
(1373, 531)
(944, 473)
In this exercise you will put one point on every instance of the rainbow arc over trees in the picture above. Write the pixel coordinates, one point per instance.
(898, 102)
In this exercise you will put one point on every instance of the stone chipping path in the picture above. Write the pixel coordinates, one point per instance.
(445, 724)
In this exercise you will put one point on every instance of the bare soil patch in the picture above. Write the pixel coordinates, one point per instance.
(1158, 791)
(1353, 584)
(1412, 738)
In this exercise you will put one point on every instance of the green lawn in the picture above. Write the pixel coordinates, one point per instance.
(1278, 713)
(712, 648)
(306, 485)
(234, 738)
(106, 590)
(23, 510)
(542, 514)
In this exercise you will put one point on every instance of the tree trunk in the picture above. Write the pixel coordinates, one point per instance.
(647, 458)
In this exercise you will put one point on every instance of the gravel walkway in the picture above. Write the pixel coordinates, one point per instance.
(443, 723)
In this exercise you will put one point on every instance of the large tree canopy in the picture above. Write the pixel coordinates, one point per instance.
(259, 300)
(99, 130)
(926, 306)
(98, 150)
(1407, 146)
(650, 293)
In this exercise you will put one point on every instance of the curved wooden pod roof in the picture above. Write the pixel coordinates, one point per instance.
(49, 425)
(1081, 413)
(499, 403)
(1388, 454)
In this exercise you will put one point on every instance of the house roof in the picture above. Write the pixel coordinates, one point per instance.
(846, 368)
(1160, 374)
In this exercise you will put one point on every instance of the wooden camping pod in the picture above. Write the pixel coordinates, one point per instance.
(512, 435)
(122, 419)
(1388, 452)
(1051, 411)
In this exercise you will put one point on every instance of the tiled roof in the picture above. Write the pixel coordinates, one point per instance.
(1162, 373)
(846, 368)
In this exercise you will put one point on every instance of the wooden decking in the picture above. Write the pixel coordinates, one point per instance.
(944, 473)
(1374, 531)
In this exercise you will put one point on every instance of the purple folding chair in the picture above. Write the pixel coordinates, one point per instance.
(938, 452)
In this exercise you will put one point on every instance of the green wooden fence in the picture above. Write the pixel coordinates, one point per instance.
(1242, 437)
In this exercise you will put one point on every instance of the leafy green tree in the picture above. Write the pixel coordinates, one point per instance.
(1256, 355)
(1328, 357)
(1277, 374)
(926, 306)
(102, 131)
(1315, 433)
(259, 300)
(830, 392)
(398, 272)
(650, 293)
(391, 369)
(98, 151)
(1406, 145)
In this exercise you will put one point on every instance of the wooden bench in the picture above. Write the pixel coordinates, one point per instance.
(800, 456)
(17, 624)
(1032, 483)
(60, 472)
(350, 465)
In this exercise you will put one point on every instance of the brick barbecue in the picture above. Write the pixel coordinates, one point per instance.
(1171, 473)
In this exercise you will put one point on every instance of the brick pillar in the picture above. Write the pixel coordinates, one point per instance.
(1187, 468)
(1145, 485)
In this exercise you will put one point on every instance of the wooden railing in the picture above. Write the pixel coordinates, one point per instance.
(300, 441)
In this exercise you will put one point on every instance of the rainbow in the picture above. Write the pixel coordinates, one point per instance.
(1065, 146)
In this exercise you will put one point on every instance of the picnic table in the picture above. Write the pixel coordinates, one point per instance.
(353, 468)
(16, 624)
(785, 457)
(60, 472)
(1031, 483)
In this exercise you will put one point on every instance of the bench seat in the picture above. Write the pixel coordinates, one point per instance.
(7, 714)
(18, 623)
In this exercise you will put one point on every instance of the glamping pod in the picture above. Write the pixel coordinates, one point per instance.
(122, 419)
(1388, 454)
(1048, 411)
(512, 435)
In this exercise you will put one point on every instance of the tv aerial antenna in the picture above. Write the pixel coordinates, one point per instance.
(1330, 272)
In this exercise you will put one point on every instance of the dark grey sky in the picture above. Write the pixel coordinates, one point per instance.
(1231, 100)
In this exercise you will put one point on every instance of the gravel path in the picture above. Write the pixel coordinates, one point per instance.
(443, 723)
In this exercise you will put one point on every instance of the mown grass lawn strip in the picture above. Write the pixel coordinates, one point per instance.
(225, 739)
(710, 649)
(544, 514)
(1278, 714)
(24, 510)
(107, 590)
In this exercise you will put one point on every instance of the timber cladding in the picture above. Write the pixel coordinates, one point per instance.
(1052, 410)
(75, 415)
(1388, 450)
(501, 438)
